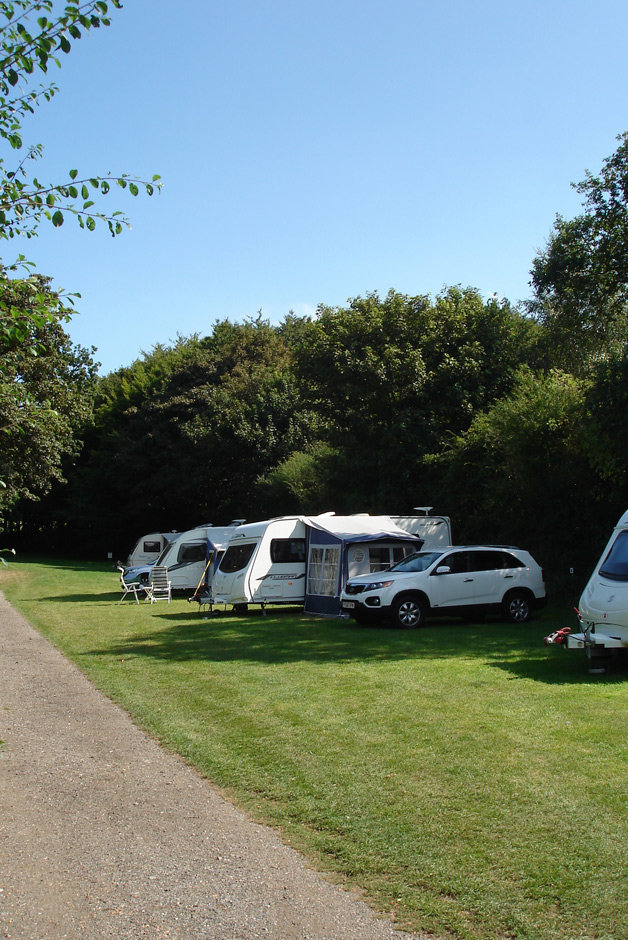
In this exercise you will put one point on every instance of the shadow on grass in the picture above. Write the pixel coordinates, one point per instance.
(288, 636)
(100, 598)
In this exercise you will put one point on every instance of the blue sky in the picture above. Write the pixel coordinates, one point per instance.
(313, 153)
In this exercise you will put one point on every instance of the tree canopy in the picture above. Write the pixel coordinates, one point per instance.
(45, 399)
(581, 277)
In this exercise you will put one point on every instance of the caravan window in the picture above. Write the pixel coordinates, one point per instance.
(287, 551)
(152, 548)
(400, 552)
(615, 565)
(237, 557)
(322, 575)
(382, 557)
(379, 557)
(192, 551)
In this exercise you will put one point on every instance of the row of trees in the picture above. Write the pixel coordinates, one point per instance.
(383, 405)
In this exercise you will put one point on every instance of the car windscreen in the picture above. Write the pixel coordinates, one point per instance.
(615, 565)
(418, 561)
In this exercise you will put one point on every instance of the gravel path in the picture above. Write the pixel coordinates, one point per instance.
(105, 835)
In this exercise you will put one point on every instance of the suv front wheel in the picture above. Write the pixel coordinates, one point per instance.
(408, 612)
(517, 607)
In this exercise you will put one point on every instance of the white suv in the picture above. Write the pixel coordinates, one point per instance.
(463, 579)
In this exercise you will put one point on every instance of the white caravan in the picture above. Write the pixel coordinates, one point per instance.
(191, 558)
(286, 559)
(264, 563)
(603, 608)
(148, 548)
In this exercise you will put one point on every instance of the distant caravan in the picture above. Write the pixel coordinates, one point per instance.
(305, 560)
(148, 548)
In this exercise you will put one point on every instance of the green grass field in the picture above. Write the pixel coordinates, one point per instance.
(469, 779)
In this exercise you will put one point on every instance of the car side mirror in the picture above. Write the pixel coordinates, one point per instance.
(443, 569)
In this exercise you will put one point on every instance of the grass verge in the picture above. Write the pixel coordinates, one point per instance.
(470, 780)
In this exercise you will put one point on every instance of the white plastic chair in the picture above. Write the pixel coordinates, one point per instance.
(159, 587)
(132, 587)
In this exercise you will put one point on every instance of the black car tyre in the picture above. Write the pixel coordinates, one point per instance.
(517, 607)
(408, 612)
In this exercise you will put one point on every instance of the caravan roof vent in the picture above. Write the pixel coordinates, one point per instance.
(423, 510)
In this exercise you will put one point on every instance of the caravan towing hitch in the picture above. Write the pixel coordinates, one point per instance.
(558, 637)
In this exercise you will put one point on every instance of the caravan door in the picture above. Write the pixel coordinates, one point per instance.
(284, 580)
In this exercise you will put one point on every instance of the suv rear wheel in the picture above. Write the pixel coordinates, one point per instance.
(408, 612)
(517, 607)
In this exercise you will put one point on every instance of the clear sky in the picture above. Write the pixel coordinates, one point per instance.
(315, 152)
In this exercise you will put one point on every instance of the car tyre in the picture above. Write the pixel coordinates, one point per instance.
(409, 612)
(517, 607)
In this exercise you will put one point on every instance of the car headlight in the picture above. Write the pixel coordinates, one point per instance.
(377, 585)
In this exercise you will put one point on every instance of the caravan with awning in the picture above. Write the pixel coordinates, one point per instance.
(305, 560)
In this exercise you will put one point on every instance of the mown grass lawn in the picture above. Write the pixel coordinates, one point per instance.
(470, 780)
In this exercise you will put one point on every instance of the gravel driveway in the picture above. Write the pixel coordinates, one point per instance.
(105, 835)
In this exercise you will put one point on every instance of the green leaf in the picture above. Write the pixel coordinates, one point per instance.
(133, 189)
(57, 219)
(73, 174)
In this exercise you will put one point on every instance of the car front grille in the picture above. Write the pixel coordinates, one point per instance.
(354, 588)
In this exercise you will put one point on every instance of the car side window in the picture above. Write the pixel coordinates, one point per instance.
(495, 560)
(457, 561)
(488, 561)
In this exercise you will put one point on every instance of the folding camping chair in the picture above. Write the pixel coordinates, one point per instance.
(132, 587)
(159, 587)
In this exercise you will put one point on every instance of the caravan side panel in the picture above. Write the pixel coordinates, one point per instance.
(434, 530)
